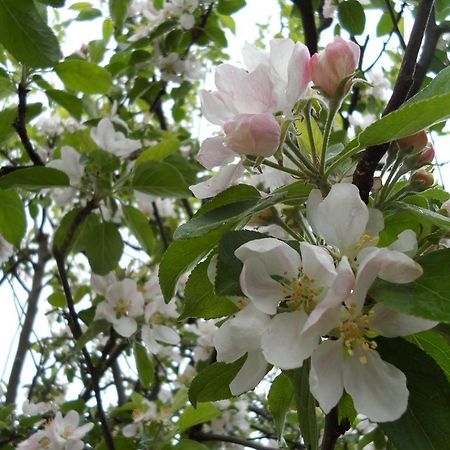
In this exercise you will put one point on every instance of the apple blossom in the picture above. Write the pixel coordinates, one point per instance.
(329, 68)
(122, 305)
(115, 142)
(415, 142)
(6, 250)
(241, 335)
(422, 180)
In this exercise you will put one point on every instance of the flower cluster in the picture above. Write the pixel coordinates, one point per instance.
(312, 303)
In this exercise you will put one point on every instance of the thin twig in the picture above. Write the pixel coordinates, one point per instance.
(396, 29)
(201, 436)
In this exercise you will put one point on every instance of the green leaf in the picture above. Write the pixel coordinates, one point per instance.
(26, 36)
(7, 117)
(57, 299)
(213, 382)
(181, 255)
(94, 329)
(13, 222)
(425, 215)
(228, 266)
(118, 10)
(305, 404)
(53, 3)
(84, 76)
(70, 102)
(33, 178)
(436, 346)
(103, 244)
(159, 151)
(194, 416)
(351, 17)
(200, 300)
(438, 86)
(279, 400)
(427, 297)
(187, 444)
(161, 179)
(424, 425)
(145, 366)
(139, 225)
(228, 7)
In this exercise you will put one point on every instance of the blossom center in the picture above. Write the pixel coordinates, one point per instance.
(354, 333)
(366, 240)
(122, 307)
(302, 294)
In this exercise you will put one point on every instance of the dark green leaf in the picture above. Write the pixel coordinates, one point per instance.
(279, 400)
(228, 266)
(200, 300)
(53, 3)
(7, 117)
(26, 36)
(228, 7)
(181, 255)
(118, 10)
(13, 222)
(70, 102)
(424, 426)
(425, 215)
(104, 246)
(306, 405)
(213, 382)
(160, 178)
(33, 178)
(144, 364)
(351, 17)
(187, 444)
(194, 416)
(427, 297)
(84, 76)
(139, 225)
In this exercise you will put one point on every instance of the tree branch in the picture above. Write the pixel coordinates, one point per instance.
(333, 429)
(201, 436)
(396, 29)
(308, 22)
(20, 125)
(33, 298)
(365, 170)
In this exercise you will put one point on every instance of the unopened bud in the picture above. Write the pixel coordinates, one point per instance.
(422, 180)
(414, 143)
(329, 68)
(427, 154)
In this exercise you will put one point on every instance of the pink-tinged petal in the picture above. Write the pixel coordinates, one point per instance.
(284, 344)
(281, 51)
(224, 178)
(250, 374)
(215, 108)
(125, 326)
(165, 334)
(256, 283)
(392, 323)
(406, 243)
(229, 78)
(253, 57)
(299, 73)
(318, 264)
(278, 257)
(325, 377)
(149, 341)
(214, 153)
(378, 388)
(341, 217)
(240, 334)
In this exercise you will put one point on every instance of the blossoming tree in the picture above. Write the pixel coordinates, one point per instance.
(280, 283)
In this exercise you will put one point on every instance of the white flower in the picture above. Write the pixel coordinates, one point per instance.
(141, 415)
(6, 250)
(101, 283)
(171, 66)
(69, 163)
(329, 9)
(115, 142)
(35, 409)
(241, 335)
(187, 21)
(122, 305)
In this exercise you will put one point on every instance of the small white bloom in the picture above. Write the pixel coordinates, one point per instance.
(115, 142)
(6, 250)
(70, 164)
(35, 409)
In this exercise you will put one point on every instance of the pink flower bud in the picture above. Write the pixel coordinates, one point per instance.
(423, 179)
(415, 142)
(427, 154)
(253, 134)
(338, 61)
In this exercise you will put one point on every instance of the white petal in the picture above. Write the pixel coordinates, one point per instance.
(165, 334)
(240, 334)
(254, 56)
(392, 323)
(103, 133)
(251, 373)
(284, 345)
(378, 388)
(214, 153)
(341, 217)
(298, 73)
(125, 326)
(318, 264)
(226, 176)
(406, 243)
(229, 78)
(129, 430)
(149, 340)
(214, 108)
(325, 377)
(375, 223)
(280, 54)
(278, 257)
(259, 287)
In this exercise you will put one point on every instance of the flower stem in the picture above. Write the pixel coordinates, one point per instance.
(334, 107)
(310, 132)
